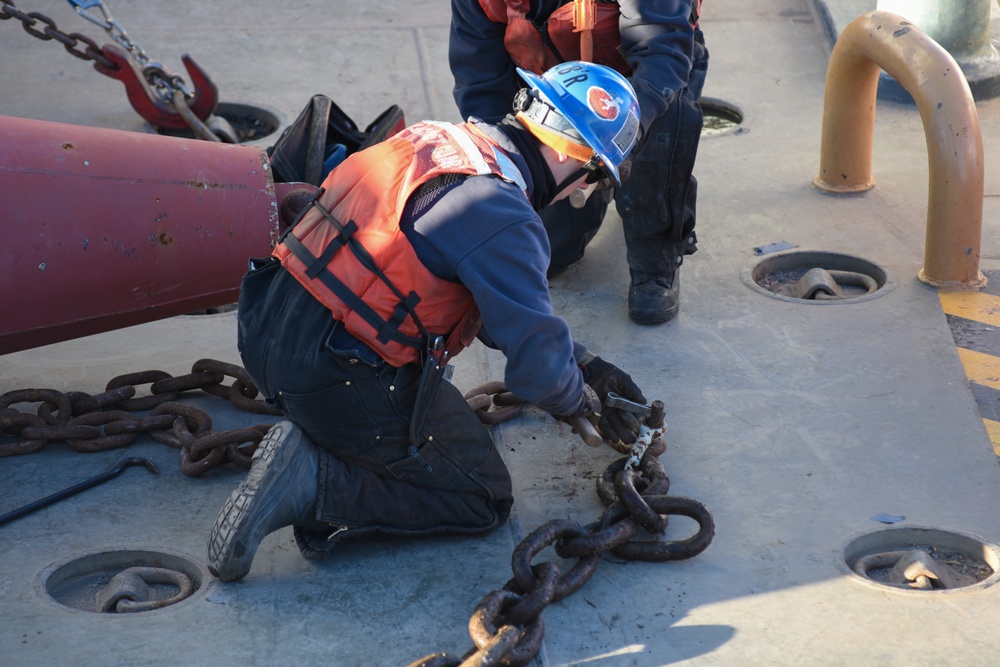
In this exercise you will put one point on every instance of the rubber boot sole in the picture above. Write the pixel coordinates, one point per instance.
(230, 550)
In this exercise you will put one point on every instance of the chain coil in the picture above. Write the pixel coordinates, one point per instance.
(506, 626)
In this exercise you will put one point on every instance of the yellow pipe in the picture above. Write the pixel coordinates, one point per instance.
(951, 126)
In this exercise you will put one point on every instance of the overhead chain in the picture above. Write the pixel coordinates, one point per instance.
(71, 41)
(114, 29)
(506, 626)
(99, 422)
(162, 81)
(165, 83)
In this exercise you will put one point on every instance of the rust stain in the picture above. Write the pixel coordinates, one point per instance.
(202, 185)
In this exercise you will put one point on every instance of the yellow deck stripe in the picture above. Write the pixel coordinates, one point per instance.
(981, 368)
(993, 429)
(976, 306)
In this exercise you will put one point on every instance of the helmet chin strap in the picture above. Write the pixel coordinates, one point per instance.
(567, 181)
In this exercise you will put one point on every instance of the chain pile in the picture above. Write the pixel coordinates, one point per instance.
(96, 423)
(506, 627)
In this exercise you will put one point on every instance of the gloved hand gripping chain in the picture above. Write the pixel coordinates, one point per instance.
(506, 627)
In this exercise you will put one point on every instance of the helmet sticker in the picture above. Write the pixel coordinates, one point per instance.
(625, 138)
(602, 103)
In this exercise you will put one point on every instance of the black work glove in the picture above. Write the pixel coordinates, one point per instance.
(615, 424)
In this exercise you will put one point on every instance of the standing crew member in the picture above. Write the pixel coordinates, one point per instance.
(413, 248)
(658, 45)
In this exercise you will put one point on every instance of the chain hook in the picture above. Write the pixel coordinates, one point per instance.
(147, 102)
(150, 87)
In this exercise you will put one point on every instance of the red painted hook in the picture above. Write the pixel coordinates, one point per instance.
(146, 102)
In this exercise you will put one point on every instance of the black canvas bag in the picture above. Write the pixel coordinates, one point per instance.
(320, 131)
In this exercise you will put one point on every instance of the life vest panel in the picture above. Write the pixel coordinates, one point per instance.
(527, 45)
(365, 196)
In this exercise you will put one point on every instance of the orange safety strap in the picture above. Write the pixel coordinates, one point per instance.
(556, 141)
(584, 17)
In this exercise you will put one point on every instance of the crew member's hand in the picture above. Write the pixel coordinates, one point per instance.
(589, 406)
(615, 424)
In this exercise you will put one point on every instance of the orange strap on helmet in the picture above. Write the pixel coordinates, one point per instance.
(555, 140)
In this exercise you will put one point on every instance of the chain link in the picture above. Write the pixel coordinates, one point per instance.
(494, 395)
(506, 627)
(163, 82)
(71, 41)
(95, 423)
(114, 30)
(106, 421)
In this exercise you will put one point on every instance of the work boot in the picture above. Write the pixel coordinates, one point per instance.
(280, 490)
(653, 299)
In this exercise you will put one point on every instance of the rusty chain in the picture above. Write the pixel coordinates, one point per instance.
(506, 626)
(114, 29)
(71, 41)
(164, 83)
(494, 395)
(95, 423)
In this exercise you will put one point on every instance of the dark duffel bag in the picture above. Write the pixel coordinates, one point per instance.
(322, 136)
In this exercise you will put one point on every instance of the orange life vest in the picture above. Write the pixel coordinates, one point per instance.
(527, 48)
(376, 285)
(525, 45)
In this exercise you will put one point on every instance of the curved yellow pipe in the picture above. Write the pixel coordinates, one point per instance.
(951, 127)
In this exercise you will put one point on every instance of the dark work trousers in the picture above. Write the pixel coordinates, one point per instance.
(657, 202)
(570, 229)
(358, 414)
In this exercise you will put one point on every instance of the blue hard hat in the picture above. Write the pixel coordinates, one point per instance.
(594, 106)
